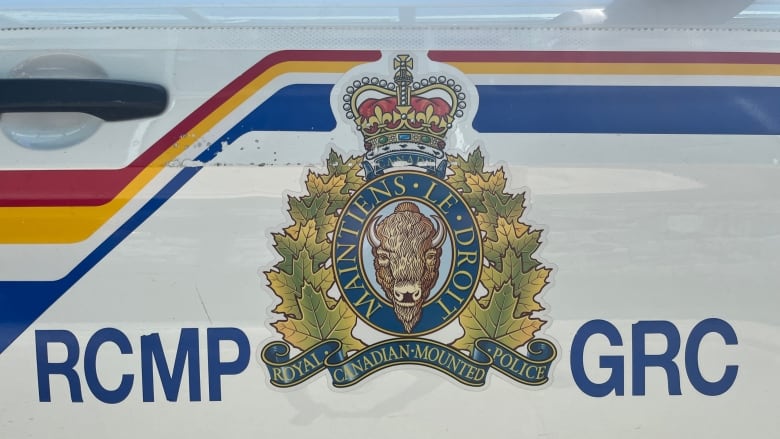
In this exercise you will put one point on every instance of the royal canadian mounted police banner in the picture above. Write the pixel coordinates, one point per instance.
(411, 242)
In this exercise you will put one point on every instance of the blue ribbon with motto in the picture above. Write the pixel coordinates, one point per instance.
(532, 369)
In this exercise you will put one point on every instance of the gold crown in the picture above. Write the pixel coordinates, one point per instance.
(404, 111)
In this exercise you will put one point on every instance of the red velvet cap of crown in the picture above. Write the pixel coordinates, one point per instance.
(419, 104)
(367, 109)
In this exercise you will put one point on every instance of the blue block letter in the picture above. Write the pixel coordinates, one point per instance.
(613, 362)
(187, 351)
(641, 360)
(106, 335)
(45, 368)
(705, 327)
(216, 367)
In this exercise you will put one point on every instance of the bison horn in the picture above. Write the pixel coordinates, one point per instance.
(441, 233)
(373, 239)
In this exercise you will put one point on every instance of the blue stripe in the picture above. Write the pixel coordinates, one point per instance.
(628, 109)
(561, 109)
(298, 107)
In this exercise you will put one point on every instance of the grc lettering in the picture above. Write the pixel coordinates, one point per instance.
(641, 360)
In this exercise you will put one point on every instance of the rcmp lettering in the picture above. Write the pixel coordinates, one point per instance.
(155, 364)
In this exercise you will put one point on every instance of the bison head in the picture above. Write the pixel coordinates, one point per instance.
(407, 250)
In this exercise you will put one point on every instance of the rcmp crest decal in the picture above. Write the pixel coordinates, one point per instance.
(407, 240)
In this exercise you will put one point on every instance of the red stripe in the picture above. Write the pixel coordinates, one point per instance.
(606, 57)
(77, 187)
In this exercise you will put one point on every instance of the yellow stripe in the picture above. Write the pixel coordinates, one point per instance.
(64, 225)
(617, 68)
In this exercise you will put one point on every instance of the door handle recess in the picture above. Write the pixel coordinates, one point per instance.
(107, 99)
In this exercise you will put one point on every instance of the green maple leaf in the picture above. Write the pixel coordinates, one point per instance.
(346, 169)
(474, 182)
(526, 285)
(505, 314)
(297, 238)
(526, 288)
(526, 245)
(494, 319)
(483, 183)
(287, 286)
(327, 194)
(511, 235)
(507, 206)
(497, 206)
(329, 186)
(320, 321)
(339, 166)
(462, 167)
(503, 237)
(493, 277)
(308, 208)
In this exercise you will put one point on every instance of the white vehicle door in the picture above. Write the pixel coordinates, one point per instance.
(425, 219)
